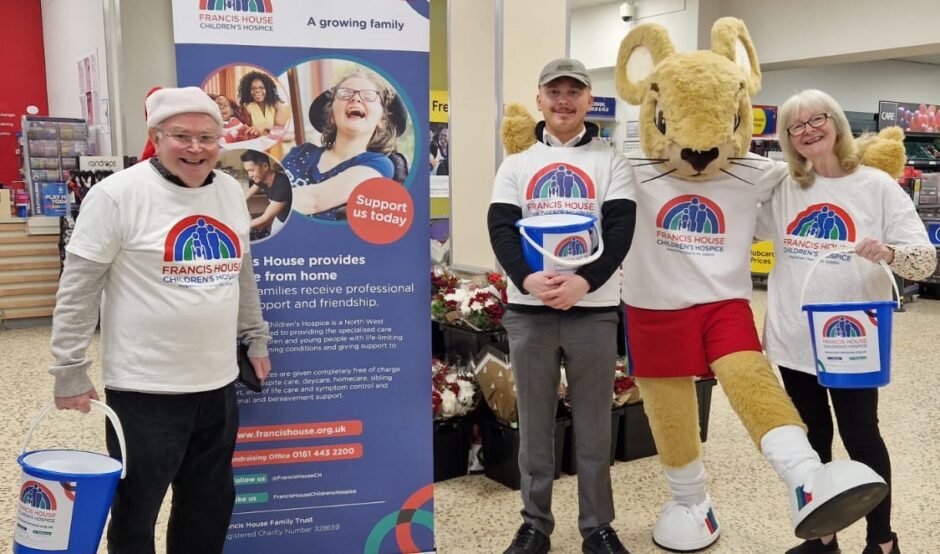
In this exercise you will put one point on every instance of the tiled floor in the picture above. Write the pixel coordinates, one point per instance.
(476, 515)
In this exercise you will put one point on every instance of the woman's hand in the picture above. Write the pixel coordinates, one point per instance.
(874, 250)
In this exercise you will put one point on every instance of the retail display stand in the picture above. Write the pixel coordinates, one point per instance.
(51, 146)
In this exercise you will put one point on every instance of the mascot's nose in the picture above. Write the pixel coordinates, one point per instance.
(699, 159)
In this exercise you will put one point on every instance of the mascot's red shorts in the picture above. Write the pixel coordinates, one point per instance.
(682, 343)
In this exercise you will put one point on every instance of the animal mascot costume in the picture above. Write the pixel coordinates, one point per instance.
(687, 279)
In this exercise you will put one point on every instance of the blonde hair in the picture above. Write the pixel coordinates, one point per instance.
(844, 148)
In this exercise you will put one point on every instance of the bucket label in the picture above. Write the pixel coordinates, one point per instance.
(44, 513)
(570, 247)
(846, 342)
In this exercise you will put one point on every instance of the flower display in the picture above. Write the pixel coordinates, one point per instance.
(625, 389)
(453, 393)
(474, 303)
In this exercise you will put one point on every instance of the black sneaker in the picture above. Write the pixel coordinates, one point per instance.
(816, 546)
(603, 541)
(529, 540)
(875, 548)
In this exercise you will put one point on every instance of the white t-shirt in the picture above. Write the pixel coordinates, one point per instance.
(693, 239)
(830, 214)
(170, 304)
(572, 180)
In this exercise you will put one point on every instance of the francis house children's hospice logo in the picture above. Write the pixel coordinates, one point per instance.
(691, 224)
(560, 188)
(818, 228)
(236, 15)
(201, 252)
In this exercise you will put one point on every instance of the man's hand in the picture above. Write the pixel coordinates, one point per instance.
(874, 250)
(537, 283)
(566, 290)
(262, 367)
(80, 402)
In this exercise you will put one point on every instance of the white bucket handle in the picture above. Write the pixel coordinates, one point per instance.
(884, 266)
(561, 261)
(101, 407)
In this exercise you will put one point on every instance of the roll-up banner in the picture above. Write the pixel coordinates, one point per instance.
(324, 106)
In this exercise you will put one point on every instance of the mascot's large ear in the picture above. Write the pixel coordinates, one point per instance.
(731, 40)
(640, 51)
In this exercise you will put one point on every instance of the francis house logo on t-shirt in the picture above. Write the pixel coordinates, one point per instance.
(201, 252)
(560, 188)
(691, 224)
(818, 228)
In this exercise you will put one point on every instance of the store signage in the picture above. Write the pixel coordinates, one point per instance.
(913, 118)
(336, 454)
(102, 163)
(439, 106)
(765, 120)
(604, 107)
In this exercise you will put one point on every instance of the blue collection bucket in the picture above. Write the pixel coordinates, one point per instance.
(560, 242)
(851, 340)
(65, 495)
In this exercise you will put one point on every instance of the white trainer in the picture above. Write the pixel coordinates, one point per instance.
(833, 497)
(685, 527)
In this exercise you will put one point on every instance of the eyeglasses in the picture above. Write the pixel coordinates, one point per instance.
(815, 122)
(367, 95)
(205, 140)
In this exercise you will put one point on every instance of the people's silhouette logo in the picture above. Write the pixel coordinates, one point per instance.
(250, 6)
(571, 247)
(560, 180)
(36, 495)
(823, 221)
(843, 326)
(691, 213)
(201, 238)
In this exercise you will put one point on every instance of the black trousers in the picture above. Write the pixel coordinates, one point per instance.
(183, 440)
(857, 416)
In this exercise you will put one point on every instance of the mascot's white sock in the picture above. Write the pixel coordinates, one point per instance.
(789, 452)
(687, 483)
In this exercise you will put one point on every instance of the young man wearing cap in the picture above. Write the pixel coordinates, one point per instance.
(162, 250)
(556, 316)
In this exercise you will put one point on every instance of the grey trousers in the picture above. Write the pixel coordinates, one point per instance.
(588, 344)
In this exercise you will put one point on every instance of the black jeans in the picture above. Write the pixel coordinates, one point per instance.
(183, 440)
(857, 415)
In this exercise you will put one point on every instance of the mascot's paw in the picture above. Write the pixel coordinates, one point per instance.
(686, 527)
(834, 497)
(885, 151)
(518, 129)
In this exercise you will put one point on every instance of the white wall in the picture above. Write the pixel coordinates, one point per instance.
(596, 31)
(72, 29)
(147, 59)
(857, 86)
(789, 31)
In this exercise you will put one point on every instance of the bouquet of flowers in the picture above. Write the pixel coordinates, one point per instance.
(453, 393)
(625, 389)
(472, 303)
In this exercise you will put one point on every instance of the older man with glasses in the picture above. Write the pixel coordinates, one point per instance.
(161, 249)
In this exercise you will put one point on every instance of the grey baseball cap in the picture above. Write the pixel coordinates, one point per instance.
(564, 67)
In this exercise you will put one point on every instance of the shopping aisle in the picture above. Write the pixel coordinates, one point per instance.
(478, 516)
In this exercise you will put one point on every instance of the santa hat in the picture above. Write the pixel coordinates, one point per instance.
(167, 102)
(149, 149)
